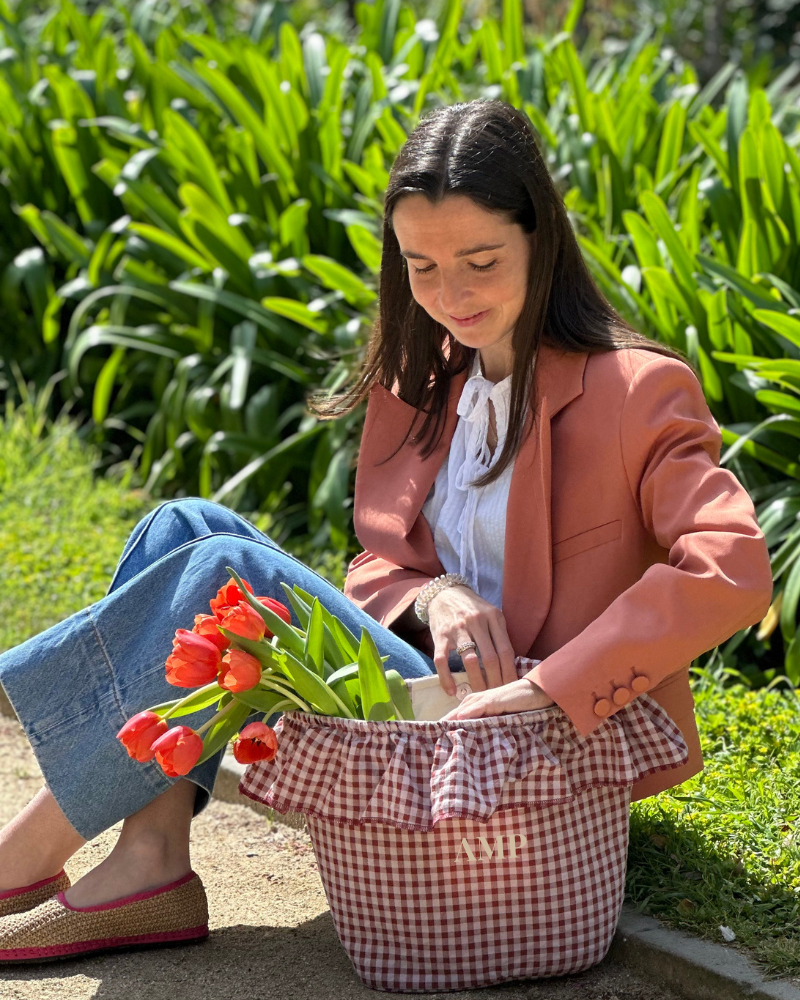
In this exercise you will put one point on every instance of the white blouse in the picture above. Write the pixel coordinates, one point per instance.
(469, 523)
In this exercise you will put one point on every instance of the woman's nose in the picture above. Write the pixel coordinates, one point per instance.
(455, 297)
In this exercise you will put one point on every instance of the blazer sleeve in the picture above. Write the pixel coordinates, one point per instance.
(717, 579)
(381, 588)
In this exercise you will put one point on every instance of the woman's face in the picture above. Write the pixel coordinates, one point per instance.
(450, 283)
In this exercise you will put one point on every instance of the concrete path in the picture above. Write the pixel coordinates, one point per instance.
(272, 934)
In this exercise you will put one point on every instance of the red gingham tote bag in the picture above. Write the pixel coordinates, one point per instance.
(457, 854)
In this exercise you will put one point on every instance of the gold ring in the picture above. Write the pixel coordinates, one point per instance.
(465, 646)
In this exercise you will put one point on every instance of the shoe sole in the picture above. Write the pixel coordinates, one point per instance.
(79, 949)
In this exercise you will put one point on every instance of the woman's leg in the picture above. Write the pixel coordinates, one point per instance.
(152, 849)
(75, 685)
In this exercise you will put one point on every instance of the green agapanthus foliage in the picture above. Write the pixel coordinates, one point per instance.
(192, 211)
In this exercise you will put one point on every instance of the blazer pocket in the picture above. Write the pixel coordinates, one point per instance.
(588, 539)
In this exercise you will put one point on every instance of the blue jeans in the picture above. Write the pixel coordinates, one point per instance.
(74, 685)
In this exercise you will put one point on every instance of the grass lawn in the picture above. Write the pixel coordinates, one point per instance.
(722, 849)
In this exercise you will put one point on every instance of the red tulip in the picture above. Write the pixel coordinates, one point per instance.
(256, 742)
(280, 610)
(139, 733)
(194, 660)
(244, 621)
(228, 596)
(178, 750)
(240, 671)
(206, 625)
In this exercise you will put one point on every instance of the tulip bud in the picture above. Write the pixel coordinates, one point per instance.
(240, 671)
(178, 750)
(244, 621)
(140, 733)
(228, 596)
(256, 742)
(280, 610)
(206, 625)
(194, 660)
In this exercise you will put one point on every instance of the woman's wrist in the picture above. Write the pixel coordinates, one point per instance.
(541, 697)
(432, 588)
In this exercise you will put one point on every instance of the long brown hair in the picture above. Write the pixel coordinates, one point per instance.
(485, 149)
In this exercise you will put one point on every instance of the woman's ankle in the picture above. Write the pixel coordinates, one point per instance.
(25, 875)
(36, 843)
(148, 863)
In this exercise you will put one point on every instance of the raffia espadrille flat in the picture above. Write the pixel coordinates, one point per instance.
(172, 914)
(19, 900)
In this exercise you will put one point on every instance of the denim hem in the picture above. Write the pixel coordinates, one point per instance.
(58, 750)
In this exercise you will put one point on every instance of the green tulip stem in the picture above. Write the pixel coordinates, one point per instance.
(182, 702)
(273, 685)
(345, 710)
(281, 707)
(215, 718)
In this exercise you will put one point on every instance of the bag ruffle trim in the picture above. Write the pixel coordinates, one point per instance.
(411, 775)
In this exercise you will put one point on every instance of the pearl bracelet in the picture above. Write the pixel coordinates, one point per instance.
(431, 589)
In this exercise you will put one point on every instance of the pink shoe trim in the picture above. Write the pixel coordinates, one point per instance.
(81, 947)
(9, 893)
(127, 899)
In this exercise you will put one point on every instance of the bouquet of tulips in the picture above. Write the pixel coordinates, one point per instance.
(247, 657)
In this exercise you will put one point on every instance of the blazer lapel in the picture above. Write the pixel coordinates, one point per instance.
(528, 556)
(389, 496)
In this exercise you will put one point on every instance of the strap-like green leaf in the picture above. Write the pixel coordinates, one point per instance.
(374, 688)
(400, 696)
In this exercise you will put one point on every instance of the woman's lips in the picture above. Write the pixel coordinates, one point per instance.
(470, 319)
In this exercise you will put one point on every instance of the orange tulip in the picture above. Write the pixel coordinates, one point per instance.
(228, 596)
(240, 671)
(244, 621)
(256, 742)
(280, 610)
(140, 733)
(206, 625)
(194, 660)
(178, 750)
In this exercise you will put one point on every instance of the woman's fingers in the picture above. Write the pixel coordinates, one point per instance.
(489, 657)
(440, 661)
(505, 651)
(471, 664)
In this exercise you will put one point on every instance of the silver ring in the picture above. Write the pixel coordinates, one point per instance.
(465, 646)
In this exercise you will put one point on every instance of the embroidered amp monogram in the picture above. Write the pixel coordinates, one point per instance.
(493, 852)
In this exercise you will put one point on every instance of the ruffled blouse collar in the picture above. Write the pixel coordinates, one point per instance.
(473, 408)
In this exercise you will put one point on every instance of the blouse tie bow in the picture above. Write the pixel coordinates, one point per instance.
(473, 408)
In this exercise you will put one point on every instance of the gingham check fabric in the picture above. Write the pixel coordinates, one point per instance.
(532, 893)
(412, 775)
(463, 853)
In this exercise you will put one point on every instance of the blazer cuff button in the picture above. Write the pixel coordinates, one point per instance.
(640, 683)
(602, 707)
(622, 696)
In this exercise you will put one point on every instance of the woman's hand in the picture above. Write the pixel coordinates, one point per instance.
(457, 615)
(518, 696)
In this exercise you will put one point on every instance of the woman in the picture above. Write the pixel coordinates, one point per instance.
(562, 499)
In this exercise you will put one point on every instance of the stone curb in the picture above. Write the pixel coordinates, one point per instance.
(698, 969)
(701, 970)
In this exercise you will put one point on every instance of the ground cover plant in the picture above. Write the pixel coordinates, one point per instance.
(723, 848)
(61, 529)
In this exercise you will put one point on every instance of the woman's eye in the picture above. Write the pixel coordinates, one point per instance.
(475, 267)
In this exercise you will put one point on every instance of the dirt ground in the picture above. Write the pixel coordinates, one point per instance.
(271, 931)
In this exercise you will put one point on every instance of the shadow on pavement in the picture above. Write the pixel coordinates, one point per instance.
(261, 963)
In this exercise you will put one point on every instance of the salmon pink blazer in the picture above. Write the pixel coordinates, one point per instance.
(628, 552)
